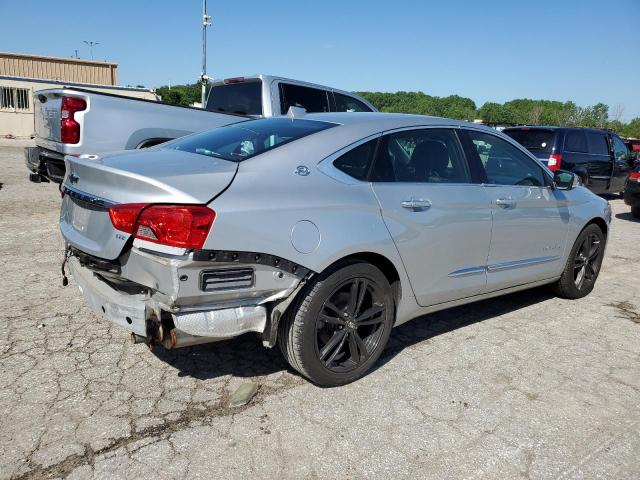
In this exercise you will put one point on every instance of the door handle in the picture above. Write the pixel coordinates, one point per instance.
(505, 202)
(416, 204)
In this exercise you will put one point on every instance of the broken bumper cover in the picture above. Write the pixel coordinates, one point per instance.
(132, 311)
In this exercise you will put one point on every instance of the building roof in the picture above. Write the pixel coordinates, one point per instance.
(57, 59)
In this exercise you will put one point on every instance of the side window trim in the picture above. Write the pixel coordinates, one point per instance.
(546, 175)
(384, 136)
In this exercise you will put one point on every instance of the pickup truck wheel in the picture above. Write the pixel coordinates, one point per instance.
(635, 211)
(583, 264)
(339, 324)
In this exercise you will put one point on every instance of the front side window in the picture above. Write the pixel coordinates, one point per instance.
(575, 141)
(597, 143)
(504, 164)
(421, 156)
(345, 103)
(244, 140)
(620, 150)
(313, 100)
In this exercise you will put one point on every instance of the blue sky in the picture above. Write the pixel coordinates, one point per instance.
(581, 50)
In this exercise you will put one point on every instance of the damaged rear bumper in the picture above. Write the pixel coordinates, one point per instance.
(171, 305)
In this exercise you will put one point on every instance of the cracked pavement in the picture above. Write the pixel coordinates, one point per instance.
(524, 386)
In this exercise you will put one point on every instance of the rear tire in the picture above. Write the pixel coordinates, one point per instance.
(583, 265)
(635, 211)
(339, 324)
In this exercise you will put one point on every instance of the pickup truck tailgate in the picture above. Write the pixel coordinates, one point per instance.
(47, 106)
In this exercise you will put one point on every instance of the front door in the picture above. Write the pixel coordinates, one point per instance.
(622, 165)
(438, 216)
(530, 218)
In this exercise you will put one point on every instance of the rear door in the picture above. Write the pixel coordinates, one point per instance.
(436, 212)
(589, 150)
(622, 164)
(530, 219)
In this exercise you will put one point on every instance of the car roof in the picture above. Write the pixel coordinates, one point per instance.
(555, 128)
(381, 120)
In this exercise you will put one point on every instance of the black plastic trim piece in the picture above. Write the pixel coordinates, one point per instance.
(95, 263)
(253, 258)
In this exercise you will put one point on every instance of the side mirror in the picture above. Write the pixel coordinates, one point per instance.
(564, 180)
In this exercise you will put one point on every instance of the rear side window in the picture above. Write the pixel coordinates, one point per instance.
(503, 163)
(430, 155)
(357, 161)
(575, 141)
(345, 103)
(538, 140)
(597, 143)
(313, 100)
(242, 98)
(244, 140)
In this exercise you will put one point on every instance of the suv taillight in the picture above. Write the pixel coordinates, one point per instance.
(634, 177)
(555, 161)
(69, 127)
(185, 226)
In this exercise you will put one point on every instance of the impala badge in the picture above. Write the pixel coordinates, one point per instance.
(302, 170)
(73, 178)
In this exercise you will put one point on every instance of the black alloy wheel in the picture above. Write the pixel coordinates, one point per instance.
(339, 324)
(350, 325)
(587, 261)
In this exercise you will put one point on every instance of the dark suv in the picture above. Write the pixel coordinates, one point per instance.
(599, 157)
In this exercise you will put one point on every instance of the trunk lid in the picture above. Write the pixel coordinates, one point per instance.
(154, 175)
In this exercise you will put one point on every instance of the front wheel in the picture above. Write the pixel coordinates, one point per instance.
(583, 264)
(339, 325)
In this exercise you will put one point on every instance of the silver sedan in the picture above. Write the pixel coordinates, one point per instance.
(321, 232)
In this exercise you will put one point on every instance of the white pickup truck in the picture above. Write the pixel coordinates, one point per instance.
(74, 121)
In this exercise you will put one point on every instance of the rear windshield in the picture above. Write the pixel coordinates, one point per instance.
(242, 98)
(538, 140)
(244, 140)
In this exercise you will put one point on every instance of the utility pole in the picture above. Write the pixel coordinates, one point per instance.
(91, 45)
(206, 21)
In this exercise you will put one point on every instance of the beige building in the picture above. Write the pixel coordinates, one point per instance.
(23, 74)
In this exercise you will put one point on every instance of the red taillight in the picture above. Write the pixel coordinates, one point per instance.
(185, 226)
(634, 176)
(124, 216)
(228, 81)
(555, 161)
(69, 127)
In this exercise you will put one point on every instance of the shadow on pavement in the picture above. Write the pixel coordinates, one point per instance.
(627, 216)
(245, 357)
(429, 326)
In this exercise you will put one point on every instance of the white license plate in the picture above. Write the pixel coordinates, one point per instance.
(79, 218)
